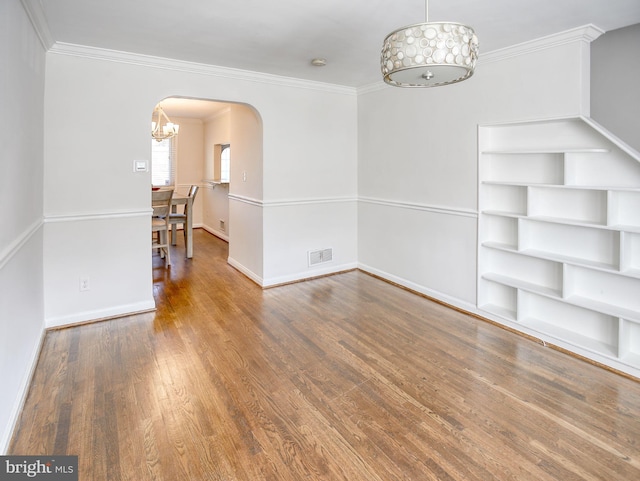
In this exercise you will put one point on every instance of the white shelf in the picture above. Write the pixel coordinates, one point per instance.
(559, 235)
(565, 221)
(562, 186)
(545, 151)
(501, 311)
(571, 337)
(524, 285)
(609, 309)
(631, 273)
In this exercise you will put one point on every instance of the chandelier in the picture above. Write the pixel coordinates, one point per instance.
(162, 128)
(429, 54)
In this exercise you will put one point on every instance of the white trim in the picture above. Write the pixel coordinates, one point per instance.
(35, 12)
(370, 200)
(96, 314)
(317, 200)
(245, 200)
(23, 391)
(453, 301)
(61, 48)
(586, 33)
(424, 207)
(97, 216)
(12, 249)
(308, 274)
(247, 272)
(621, 144)
(290, 202)
(217, 233)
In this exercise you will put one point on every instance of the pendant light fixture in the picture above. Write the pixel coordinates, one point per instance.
(429, 54)
(162, 127)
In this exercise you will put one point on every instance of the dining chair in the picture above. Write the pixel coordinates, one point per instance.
(180, 218)
(161, 204)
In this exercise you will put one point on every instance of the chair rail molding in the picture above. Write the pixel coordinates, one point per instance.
(79, 217)
(14, 247)
(419, 206)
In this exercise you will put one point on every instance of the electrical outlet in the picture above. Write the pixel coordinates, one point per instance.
(222, 225)
(84, 284)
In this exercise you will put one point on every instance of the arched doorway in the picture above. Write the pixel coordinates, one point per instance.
(207, 127)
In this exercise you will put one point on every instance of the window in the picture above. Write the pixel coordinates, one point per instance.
(222, 163)
(163, 161)
(225, 163)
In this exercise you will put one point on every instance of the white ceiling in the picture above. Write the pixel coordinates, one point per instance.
(192, 108)
(282, 36)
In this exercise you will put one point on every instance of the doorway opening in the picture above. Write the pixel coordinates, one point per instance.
(219, 149)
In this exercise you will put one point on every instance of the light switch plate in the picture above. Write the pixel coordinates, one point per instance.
(140, 166)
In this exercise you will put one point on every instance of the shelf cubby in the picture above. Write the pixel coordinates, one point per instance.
(602, 167)
(624, 210)
(501, 230)
(595, 247)
(586, 206)
(525, 272)
(629, 341)
(500, 299)
(613, 294)
(630, 253)
(573, 324)
(511, 197)
(532, 167)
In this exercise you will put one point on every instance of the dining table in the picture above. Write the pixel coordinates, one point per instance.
(187, 201)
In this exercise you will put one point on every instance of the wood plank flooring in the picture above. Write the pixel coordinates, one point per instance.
(340, 378)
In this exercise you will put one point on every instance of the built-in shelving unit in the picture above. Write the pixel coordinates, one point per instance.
(559, 236)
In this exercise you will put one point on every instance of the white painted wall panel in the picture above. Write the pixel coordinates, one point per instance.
(215, 200)
(113, 252)
(22, 61)
(431, 252)
(296, 229)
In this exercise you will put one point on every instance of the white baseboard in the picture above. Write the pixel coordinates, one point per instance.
(22, 395)
(247, 272)
(452, 301)
(309, 274)
(218, 233)
(97, 314)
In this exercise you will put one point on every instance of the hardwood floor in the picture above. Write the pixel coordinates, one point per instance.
(340, 378)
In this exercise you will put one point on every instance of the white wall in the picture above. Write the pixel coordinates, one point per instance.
(615, 96)
(216, 198)
(190, 167)
(89, 181)
(246, 177)
(417, 219)
(22, 59)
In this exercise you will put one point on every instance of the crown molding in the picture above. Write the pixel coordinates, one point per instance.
(61, 48)
(585, 34)
(34, 11)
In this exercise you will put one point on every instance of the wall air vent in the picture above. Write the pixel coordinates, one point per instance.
(320, 256)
